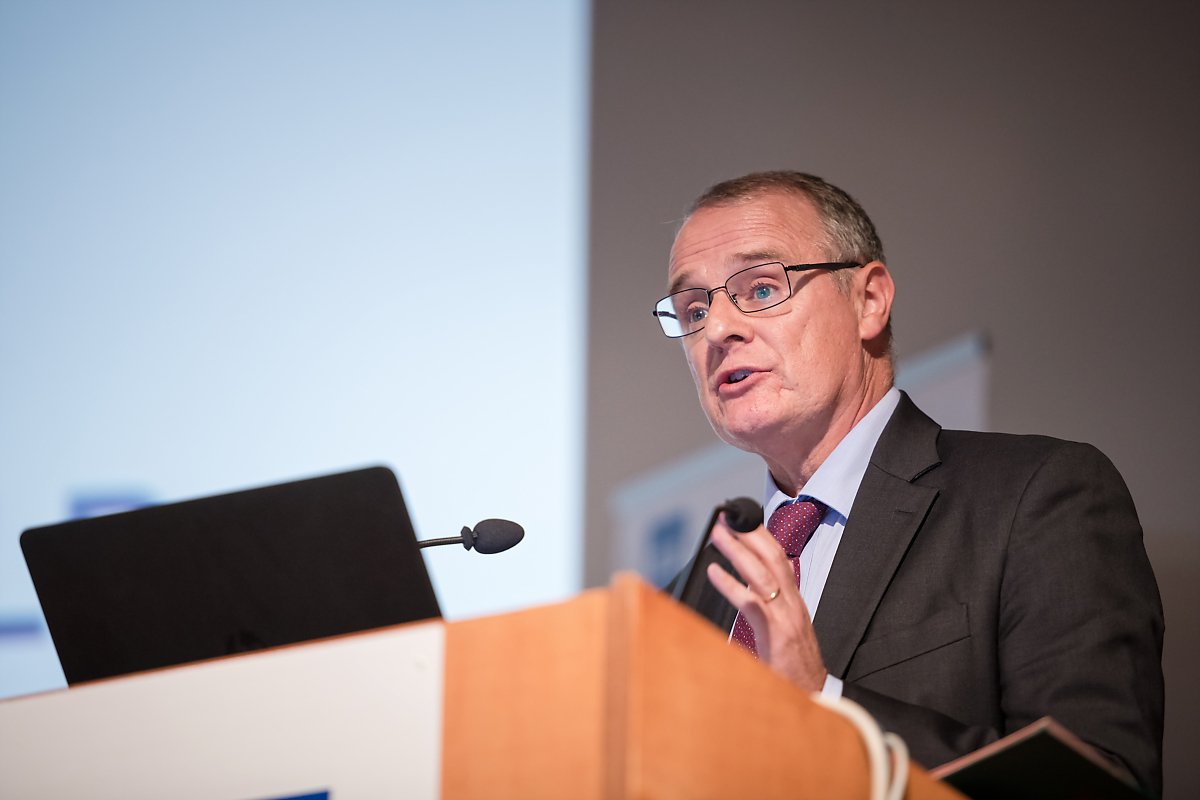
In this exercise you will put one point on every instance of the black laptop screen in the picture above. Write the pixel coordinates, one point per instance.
(192, 580)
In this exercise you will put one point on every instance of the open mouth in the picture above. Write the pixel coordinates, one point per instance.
(738, 376)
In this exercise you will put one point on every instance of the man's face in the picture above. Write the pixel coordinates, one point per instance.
(803, 361)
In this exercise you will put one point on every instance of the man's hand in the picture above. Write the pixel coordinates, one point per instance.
(782, 626)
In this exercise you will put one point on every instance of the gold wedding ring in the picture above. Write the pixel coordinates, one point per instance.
(772, 596)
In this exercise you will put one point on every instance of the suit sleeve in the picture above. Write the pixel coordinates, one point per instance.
(1079, 628)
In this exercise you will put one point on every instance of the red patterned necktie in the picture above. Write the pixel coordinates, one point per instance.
(792, 525)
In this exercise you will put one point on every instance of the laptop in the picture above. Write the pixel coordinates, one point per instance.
(219, 575)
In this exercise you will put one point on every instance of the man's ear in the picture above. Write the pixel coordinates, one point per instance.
(876, 291)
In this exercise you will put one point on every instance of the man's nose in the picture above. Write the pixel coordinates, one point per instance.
(724, 320)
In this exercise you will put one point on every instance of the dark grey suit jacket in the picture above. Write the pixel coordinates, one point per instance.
(986, 580)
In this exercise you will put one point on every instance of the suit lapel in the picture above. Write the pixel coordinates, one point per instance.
(888, 511)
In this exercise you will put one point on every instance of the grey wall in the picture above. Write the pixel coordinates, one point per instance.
(1033, 169)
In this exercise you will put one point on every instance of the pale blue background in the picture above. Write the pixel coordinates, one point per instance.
(248, 242)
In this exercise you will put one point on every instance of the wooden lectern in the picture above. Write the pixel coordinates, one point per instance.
(618, 693)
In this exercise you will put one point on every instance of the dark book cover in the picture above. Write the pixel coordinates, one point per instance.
(1042, 761)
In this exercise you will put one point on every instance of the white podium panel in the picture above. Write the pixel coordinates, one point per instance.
(354, 717)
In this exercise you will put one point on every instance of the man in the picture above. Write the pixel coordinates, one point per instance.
(961, 585)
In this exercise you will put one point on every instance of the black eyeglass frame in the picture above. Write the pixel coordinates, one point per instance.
(829, 265)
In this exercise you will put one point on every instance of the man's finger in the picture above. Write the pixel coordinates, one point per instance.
(755, 555)
(741, 596)
(747, 561)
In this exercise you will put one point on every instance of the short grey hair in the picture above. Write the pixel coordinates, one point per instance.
(849, 233)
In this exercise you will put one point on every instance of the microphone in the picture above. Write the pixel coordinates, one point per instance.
(742, 515)
(489, 536)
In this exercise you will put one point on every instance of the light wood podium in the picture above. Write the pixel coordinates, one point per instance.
(618, 693)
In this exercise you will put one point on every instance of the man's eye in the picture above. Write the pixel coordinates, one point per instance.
(696, 314)
(764, 291)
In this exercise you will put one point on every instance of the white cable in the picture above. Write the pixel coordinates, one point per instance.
(899, 765)
(887, 755)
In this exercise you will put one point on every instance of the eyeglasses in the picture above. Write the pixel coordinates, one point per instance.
(751, 290)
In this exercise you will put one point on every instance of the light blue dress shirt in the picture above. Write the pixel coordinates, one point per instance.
(835, 483)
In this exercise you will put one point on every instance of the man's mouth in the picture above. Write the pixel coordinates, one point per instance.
(738, 376)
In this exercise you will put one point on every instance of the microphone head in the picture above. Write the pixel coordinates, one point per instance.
(497, 535)
(742, 514)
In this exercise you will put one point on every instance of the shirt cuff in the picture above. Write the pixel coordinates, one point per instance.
(832, 687)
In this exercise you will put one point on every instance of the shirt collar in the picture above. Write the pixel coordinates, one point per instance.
(836, 481)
